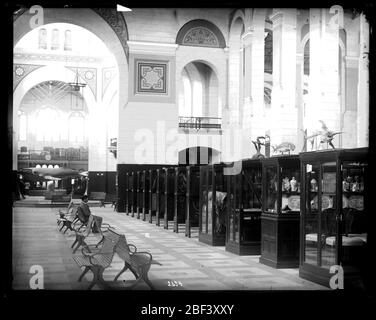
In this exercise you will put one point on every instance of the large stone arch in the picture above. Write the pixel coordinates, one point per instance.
(45, 73)
(106, 24)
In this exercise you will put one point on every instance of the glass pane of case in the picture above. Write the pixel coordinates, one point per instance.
(204, 200)
(290, 186)
(311, 228)
(237, 204)
(271, 189)
(328, 215)
(231, 207)
(210, 199)
(354, 224)
(251, 199)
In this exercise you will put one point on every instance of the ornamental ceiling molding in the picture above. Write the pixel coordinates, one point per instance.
(108, 74)
(116, 21)
(20, 71)
(89, 75)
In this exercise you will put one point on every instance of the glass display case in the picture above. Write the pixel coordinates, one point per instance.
(145, 195)
(160, 193)
(180, 194)
(212, 204)
(192, 201)
(152, 195)
(132, 192)
(244, 209)
(168, 217)
(140, 193)
(334, 221)
(280, 216)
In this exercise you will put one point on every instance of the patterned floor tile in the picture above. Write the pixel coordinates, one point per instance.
(237, 272)
(37, 241)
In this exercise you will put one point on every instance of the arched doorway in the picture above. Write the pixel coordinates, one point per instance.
(198, 156)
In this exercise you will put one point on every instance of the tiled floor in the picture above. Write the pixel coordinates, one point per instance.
(197, 266)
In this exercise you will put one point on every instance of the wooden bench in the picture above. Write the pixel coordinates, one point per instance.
(100, 196)
(60, 198)
(97, 262)
(138, 263)
(80, 237)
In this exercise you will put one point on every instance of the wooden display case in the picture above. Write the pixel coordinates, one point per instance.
(180, 194)
(280, 216)
(192, 200)
(334, 215)
(244, 209)
(169, 185)
(212, 212)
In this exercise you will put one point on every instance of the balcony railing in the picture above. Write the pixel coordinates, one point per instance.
(200, 123)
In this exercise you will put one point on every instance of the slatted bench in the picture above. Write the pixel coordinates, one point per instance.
(60, 198)
(98, 261)
(138, 263)
(99, 196)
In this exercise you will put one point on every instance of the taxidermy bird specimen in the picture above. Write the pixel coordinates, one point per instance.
(325, 134)
(258, 143)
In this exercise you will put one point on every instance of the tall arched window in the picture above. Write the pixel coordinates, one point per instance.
(42, 39)
(55, 43)
(76, 127)
(68, 40)
(268, 52)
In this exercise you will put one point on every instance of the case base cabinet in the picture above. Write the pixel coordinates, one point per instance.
(280, 240)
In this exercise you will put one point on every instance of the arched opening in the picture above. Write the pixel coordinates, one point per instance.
(56, 118)
(198, 156)
(199, 99)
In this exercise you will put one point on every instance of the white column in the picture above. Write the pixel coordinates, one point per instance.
(284, 111)
(257, 73)
(324, 87)
(363, 85)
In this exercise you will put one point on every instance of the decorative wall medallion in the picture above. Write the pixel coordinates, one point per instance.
(151, 77)
(21, 71)
(200, 36)
(89, 75)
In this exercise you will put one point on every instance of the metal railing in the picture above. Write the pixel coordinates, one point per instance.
(200, 123)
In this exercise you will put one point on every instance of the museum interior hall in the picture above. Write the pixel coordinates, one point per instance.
(186, 149)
